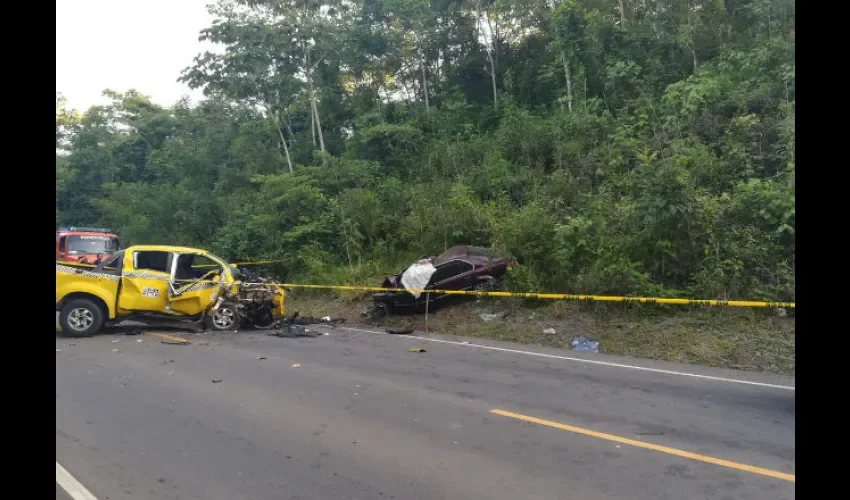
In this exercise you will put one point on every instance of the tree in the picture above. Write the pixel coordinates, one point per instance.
(347, 138)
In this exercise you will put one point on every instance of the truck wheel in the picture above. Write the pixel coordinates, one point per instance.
(226, 317)
(81, 318)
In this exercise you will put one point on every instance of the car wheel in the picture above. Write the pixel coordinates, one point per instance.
(226, 317)
(81, 318)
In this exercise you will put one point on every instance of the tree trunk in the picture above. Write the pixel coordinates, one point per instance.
(308, 73)
(622, 14)
(566, 64)
(489, 38)
(424, 81)
(569, 82)
(283, 141)
(288, 128)
(312, 125)
(493, 80)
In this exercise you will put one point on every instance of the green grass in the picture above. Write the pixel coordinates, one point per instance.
(745, 339)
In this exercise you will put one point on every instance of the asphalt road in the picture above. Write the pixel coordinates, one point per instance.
(355, 415)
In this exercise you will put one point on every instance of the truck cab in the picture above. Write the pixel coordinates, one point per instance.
(85, 245)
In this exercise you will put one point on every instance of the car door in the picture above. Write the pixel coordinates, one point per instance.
(196, 279)
(144, 281)
(448, 277)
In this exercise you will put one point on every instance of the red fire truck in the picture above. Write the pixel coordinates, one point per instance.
(85, 245)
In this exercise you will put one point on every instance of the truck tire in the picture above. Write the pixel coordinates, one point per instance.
(226, 317)
(81, 318)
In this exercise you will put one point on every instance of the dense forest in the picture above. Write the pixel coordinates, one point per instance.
(613, 146)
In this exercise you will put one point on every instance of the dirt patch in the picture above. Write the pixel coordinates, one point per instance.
(745, 339)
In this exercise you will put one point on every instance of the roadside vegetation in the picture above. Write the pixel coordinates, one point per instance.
(614, 147)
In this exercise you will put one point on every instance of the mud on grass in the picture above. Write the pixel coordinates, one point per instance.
(744, 339)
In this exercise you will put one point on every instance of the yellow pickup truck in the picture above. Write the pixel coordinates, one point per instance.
(163, 282)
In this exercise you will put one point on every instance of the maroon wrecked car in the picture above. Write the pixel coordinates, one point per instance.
(458, 268)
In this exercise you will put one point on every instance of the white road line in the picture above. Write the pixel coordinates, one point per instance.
(71, 485)
(581, 360)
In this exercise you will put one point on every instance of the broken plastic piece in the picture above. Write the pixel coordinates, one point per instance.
(584, 345)
(488, 317)
(416, 349)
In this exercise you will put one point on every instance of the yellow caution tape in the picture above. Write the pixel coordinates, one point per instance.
(522, 295)
(563, 296)
(256, 263)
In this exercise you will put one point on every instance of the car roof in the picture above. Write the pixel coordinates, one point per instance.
(165, 248)
(469, 254)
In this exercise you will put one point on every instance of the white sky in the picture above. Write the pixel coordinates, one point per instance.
(124, 44)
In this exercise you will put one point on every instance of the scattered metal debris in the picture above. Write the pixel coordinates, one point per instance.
(583, 345)
(174, 342)
(294, 326)
(400, 331)
(133, 332)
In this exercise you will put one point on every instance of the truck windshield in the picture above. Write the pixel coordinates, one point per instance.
(85, 244)
(233, 270)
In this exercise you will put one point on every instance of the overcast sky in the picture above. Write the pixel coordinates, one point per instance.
(124, 44)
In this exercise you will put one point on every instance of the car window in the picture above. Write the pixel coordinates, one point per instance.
(450, 269)
(149, 260)
(112, 264)
(192, 266)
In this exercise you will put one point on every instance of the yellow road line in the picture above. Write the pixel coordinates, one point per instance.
(649, 446)
(169, 337)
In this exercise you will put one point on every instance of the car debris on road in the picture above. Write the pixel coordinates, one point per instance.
(175, 342)
(294, 326)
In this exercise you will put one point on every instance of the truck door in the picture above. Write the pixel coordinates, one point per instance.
(196, 279)
(144, 281)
